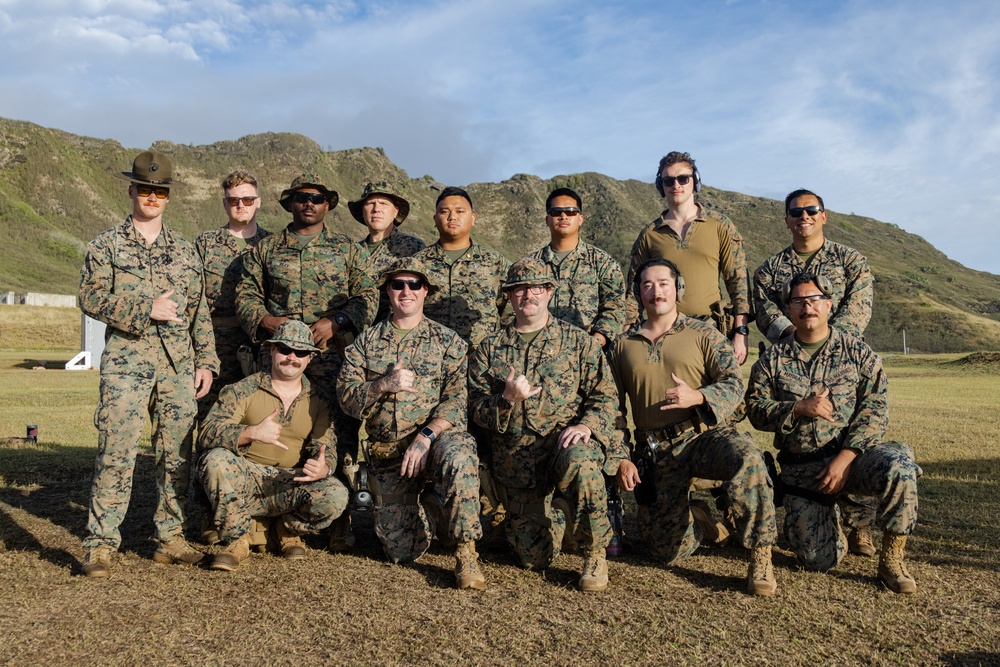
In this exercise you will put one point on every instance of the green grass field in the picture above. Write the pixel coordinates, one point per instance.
(358, 609)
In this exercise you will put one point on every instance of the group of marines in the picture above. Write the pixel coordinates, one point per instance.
(490, 395)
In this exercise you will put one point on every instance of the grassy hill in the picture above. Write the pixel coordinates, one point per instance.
(58, 190)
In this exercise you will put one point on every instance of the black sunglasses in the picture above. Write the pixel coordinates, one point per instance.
(568, 211)
(798, 211)
(683, 179)
(315, 198)
(398, 284)
(285, 350)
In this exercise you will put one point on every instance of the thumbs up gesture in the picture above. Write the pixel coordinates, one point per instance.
(517, 388)
(682, 396)
(398, 380)
(164, 308)
(268, 430)
(314, 469)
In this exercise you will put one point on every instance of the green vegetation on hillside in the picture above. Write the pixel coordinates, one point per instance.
(58, 190)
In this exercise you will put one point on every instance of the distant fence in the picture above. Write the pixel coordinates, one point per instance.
(38, 299)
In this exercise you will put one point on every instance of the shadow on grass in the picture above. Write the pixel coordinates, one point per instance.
(49, 364)
(52, 483)
(972, 659)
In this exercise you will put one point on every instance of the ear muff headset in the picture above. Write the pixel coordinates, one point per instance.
(657, 261)
(659, 181)
(822, 282)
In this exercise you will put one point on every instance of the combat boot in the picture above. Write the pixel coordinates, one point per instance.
(230, 558)
(713, 532)
(891, 569)
(568, 545)
(760, 574)
(177, 551)
(290, 544)
(594, 577)
(859, 541)
(341, 535)
(467, 571)
(437, 518)
(97, 562)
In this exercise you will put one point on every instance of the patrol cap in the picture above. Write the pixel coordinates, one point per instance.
(529, 271)
(822, 282)
(382, 189)
(150, 168)
(295, 335)
(408, 265)
(308, 181)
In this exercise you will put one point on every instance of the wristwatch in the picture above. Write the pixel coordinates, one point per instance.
(429, 434)
(742, 329)
(341, 319)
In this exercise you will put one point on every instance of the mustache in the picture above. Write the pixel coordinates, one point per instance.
(290, 362)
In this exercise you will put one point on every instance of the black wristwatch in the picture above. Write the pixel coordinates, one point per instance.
(429, 434)
(742, 329)
(340, 319)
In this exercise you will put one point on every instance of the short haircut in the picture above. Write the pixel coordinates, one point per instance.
(239, 177)
(563, 192)
(674, 157)
(452, 191)
(804, 278)
(801, 192)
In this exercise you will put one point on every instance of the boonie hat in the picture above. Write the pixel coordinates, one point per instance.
(150, 168)
(308, 181)
(295, 335)
(381, 189)
(408, 265)
(529, 271)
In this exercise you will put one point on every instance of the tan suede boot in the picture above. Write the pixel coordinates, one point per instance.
(341, 535)
(891, 569)
(97, 562)
(760, 574)
(290, 544)
(177, 551)
(714, 532)
(594, 577)
(467, 571)
(230, 558)
(860, 543)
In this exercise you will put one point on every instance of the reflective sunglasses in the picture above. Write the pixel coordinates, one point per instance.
(521, 290)
(285, 350)
(799, 211)
(247, 201)
(315, 198)
(568, 211)
(146, 190)
(800, 302)
(397, 285)
(683, 179)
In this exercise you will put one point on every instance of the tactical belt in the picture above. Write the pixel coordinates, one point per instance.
(399, 499)
(385, 451)
(672, 432)
(826, 451)
(781, 489)
(225, 322)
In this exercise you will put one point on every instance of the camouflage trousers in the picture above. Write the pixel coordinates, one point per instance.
(401, 520)
(535, 530)
(723, 454)
(887, 473)
(169, 401)
(240, 490)
(322, 373)
(227, 343)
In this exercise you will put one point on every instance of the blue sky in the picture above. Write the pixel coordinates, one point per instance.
(887, 109)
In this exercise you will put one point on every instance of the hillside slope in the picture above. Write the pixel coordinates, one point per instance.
(58, 190)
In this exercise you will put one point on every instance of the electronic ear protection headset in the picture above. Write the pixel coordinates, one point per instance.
(822, 282)
(657, 261)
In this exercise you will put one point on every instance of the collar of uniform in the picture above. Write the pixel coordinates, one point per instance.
(792, 256)
(265, 385)
(680, 325)
(288, 236)
(833, 344)
(231, 240)
(661, 222)
(549, 255)
(129, 232)
(512, 337)
(388, 331)
(436, 251)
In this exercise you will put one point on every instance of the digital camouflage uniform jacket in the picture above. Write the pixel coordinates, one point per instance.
(221, 256)
(121, 276)
(435, 354)
(248, 401)
(383, 256)
(693, 350)
(724, 255)
(307, 284)
(470, 301)
(577, 388)
(590, 289)
(858, 390)
(845, 267)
